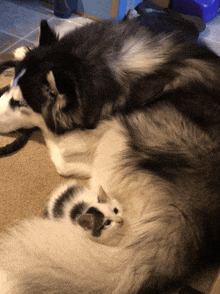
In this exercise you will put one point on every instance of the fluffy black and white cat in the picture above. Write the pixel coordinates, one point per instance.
(170, 213)
(95, 212)
(160, 161)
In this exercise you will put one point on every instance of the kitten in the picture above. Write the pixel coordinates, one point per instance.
(99, 215)
(59, 249)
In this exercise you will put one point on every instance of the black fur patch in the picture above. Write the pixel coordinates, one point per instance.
(77, 210)
(59, 204)
(189, 290)
(98, 221)
(14, 103)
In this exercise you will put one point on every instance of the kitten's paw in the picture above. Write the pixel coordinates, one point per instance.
(19, 53)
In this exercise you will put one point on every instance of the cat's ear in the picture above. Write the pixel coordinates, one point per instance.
(86, 221)
(59, 99)
(102, 196)
(47, 35)
(51, 80)
(55, 113)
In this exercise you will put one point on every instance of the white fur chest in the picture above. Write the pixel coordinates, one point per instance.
(73, 153)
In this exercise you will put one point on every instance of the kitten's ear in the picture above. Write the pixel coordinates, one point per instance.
(102, 197)
(47, 35)
(86, 221)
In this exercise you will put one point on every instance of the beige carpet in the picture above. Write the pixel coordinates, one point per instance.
(28, 177)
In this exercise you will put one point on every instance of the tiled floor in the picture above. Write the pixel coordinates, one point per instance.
(19, 24)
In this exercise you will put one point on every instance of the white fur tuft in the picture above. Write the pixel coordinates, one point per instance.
(19, 53)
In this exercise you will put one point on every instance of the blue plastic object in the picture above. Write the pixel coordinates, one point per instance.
(62, 8)
(100, 9)
(205, 9)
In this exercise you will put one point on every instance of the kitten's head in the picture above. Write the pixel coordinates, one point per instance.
(102, 220)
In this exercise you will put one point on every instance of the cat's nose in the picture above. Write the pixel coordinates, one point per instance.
(120, 220)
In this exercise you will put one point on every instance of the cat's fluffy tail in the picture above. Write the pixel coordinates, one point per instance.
(41, 256)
